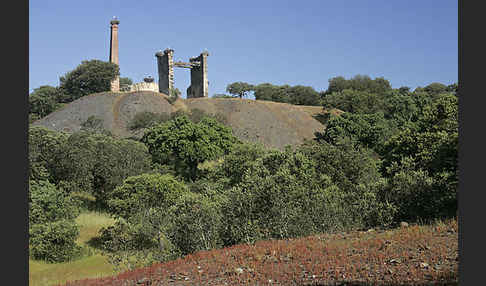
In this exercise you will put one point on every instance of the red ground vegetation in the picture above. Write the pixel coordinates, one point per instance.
(414, 255)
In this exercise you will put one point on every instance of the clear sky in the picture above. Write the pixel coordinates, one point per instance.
(410, 43)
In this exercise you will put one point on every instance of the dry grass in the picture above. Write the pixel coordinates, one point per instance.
(415, 255)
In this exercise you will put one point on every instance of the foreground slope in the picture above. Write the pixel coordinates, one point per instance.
(270, 123)
(415, 255)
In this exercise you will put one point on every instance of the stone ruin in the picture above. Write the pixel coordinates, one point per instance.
(147, 84)
(165, 65)
(199, 73)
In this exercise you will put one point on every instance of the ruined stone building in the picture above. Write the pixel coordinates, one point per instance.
(165, 66)
(147, 84)
(197, 65)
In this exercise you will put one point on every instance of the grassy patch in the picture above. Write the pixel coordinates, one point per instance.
(90, 223)
(42, 273)
(94, 266)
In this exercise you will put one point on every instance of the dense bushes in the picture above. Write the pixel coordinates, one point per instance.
(54, 241)
(421, 162)
(47, 203)
(184, 144)
(144, 191)
(85, 161)
(415, 134)
(44, 100)
(52, 230)
(193, 223)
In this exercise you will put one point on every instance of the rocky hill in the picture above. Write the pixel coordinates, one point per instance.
(271, 123)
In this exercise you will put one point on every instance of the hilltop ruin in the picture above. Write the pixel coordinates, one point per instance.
(165, 66)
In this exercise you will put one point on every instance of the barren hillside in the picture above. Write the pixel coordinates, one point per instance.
(273, 124)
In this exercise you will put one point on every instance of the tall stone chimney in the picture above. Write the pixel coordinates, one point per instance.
(115, 83)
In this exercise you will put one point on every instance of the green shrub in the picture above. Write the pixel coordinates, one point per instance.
(138, 241)
(234, 164)
(144, 191)
(47, 203)
(146, 119)
(54, 241)
(193, 223)
(420, 195)
(283, 194)
(184, 144)
(44, 150)
(96, 163)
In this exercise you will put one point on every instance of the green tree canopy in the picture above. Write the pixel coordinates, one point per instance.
(369, 130)
(125, 83)
(359, 83)
(184, 144)
(44, 100)
(240, 89)
(143, 191)
(89, 77)
(435, 88)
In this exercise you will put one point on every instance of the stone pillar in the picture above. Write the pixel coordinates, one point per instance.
(165, 65)
(199, 77)
(115, 83)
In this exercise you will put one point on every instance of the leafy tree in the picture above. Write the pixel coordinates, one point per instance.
(146, 119)
(359, 83)
(435, 88)
(303, 95)
(48, 203)
(452, 88)
(194, 223)
(144, 191)
(96, 163)
(44, 100)
(44, 149)
(235, 163)
(283, 194)
(138, 241)
(424, 159)
(239, 89)
(54, 241)
(354, 101)
(298, 95)
(52, 229)
(267, 91)
(89, 77)
(404, 90)
(184, 144)
(125, 83)
(369, 130)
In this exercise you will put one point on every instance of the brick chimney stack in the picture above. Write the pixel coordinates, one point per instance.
(115, 84)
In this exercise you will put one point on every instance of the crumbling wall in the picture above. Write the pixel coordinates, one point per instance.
(144, 86)
(165, 65)
(199, 77)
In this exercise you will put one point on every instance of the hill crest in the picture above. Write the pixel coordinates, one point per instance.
(273, 124)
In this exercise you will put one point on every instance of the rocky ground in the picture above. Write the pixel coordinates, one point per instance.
(270, 123)
(407, 255)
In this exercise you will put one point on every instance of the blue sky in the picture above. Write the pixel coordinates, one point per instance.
(410, 43)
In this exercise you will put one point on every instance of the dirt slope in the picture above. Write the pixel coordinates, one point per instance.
(271, 123)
